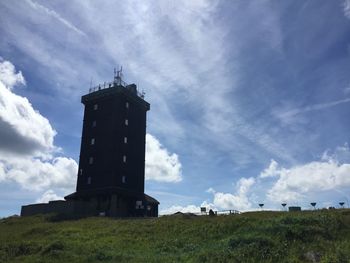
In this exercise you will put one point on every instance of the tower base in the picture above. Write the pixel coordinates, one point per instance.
(104, 204)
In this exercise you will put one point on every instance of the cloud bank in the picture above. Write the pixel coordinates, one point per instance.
(298, 184)
(27, 141)
(303, 181)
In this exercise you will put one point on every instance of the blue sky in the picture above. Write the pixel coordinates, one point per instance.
(249, 99)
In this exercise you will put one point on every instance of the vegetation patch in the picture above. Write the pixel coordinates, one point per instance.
(315, 236)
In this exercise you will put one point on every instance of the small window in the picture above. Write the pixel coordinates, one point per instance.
(89, 180)
(91, 160)
(125, 139)
(94, 124)
(127, 105)
(126, 122)
(92, 141)
(81, 172)
(124, 158)
(139, 205)
(95, 106)
(123, 179)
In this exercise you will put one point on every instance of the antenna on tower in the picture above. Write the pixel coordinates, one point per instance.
(90, 90)
(118, 75)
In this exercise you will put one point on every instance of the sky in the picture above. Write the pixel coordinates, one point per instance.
(250, 100)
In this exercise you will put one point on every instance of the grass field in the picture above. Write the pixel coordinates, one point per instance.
(317, 236)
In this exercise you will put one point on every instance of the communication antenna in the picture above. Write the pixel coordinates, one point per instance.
(90, 90)
(118, 75)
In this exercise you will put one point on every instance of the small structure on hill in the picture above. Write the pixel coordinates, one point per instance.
(294, 208)
(111, 172)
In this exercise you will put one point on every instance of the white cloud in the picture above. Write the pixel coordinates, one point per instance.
(26, 145)
(221, 201)
(8, 75)
(49, 195)
(270, 171)
(188, 208)
(340, 154)
(238, 201)
(36, 174)
(210, 190)
(23, 129)
(178, 208)
(346, 8)
(160, 164)
(299, 182)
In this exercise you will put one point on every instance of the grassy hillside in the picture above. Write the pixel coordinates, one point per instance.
(319, 236)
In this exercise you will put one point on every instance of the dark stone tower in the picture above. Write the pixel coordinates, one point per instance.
(111, 171)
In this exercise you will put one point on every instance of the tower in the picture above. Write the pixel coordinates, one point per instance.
(111, 170)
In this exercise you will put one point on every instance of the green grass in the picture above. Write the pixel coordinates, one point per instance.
(249, 237)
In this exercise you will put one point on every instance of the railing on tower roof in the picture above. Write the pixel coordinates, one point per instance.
(113, 84)
(118, 82)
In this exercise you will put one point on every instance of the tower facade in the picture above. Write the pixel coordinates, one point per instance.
(111, 172)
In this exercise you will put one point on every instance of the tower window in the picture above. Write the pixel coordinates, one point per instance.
(127, 105)
(123, 179)
(89, 180)
(95, 106)
(125, 139)
(91, 160)
(124, 158)
(94, 124)
(92, 141)
(81, 172)
(139, 205)
(126, 122)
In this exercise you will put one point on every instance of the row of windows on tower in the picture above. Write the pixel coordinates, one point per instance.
(123, 179)
(91, 159)
(126, 106)
(93, 140)
(94, 123)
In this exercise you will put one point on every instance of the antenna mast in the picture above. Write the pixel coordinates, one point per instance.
(118, 75)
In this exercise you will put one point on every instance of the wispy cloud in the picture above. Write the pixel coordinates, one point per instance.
(346, 6)
(285, 115)
(55, 15)
(347, 90)
(181, 55)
